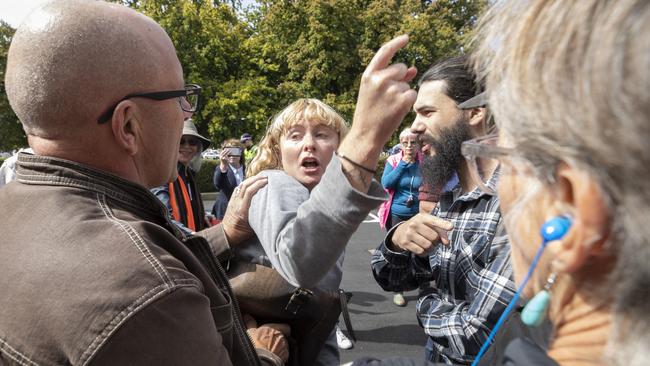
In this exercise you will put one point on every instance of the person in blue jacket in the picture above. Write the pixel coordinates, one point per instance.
(402, 179)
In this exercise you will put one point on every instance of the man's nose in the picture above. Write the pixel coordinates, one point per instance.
(418, 125)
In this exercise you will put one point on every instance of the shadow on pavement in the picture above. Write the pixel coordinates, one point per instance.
(411, 334)
(363, 298)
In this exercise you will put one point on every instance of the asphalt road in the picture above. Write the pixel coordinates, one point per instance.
(382, 328)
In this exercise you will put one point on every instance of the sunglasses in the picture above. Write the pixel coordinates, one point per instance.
(190, 141)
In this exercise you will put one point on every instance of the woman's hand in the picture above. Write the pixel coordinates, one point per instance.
(408, 158)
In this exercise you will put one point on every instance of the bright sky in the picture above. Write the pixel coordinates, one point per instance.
(14, 11)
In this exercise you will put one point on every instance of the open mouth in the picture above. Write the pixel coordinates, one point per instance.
(310, 163)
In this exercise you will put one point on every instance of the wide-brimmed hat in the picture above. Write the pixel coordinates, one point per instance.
(190, 129)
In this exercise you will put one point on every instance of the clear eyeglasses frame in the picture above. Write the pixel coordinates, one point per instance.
(482, 155)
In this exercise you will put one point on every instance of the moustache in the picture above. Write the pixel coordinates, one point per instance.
(424, 139)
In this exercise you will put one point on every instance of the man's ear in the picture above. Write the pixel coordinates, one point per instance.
(126, 126)
(477, 116)
(580, 195)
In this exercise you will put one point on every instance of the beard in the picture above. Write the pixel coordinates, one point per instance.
(439, 168)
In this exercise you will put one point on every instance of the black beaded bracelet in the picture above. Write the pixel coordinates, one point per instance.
(373, 172)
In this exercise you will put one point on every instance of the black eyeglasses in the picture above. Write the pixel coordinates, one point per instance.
(188, 99)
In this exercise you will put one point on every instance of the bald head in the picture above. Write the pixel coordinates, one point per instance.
(71, 60)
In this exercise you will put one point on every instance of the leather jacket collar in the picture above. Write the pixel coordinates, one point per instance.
(45, 170)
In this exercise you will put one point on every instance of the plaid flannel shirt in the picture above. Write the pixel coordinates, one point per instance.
(473, 275)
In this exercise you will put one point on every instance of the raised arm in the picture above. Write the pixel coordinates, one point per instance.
(303, 235)
(384, 99)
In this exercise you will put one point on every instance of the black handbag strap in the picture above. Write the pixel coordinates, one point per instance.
(344, 297)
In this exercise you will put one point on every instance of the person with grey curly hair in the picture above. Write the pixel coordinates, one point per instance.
(568, 84)
(569, 87)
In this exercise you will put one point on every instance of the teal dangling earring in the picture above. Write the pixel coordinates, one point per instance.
(535, 310)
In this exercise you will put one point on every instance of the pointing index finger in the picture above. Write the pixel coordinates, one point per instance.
(382, 58)
(435, 221)
(440, 226)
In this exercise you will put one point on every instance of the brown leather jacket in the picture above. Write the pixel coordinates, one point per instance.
(92, 271)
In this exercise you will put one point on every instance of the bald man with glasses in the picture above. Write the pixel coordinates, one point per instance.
(92, 268)
(104, 276)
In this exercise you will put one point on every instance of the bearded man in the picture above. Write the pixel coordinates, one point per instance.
(461, 247)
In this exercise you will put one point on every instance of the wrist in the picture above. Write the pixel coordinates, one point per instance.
(227, 233)
(394, 247)
(361, 147)
(353, 164)
(233, 236)
(359, 179)
(390, 240)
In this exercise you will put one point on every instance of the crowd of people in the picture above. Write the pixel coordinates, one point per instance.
(517, 203)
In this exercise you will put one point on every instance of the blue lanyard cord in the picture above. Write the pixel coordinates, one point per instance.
(511, 305)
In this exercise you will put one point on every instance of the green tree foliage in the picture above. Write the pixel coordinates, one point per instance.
(209, 41)
(204, 176)
(319, 48)
(253, 62)
(11, 131)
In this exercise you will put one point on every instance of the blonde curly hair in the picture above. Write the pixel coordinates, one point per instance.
(268, 154)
